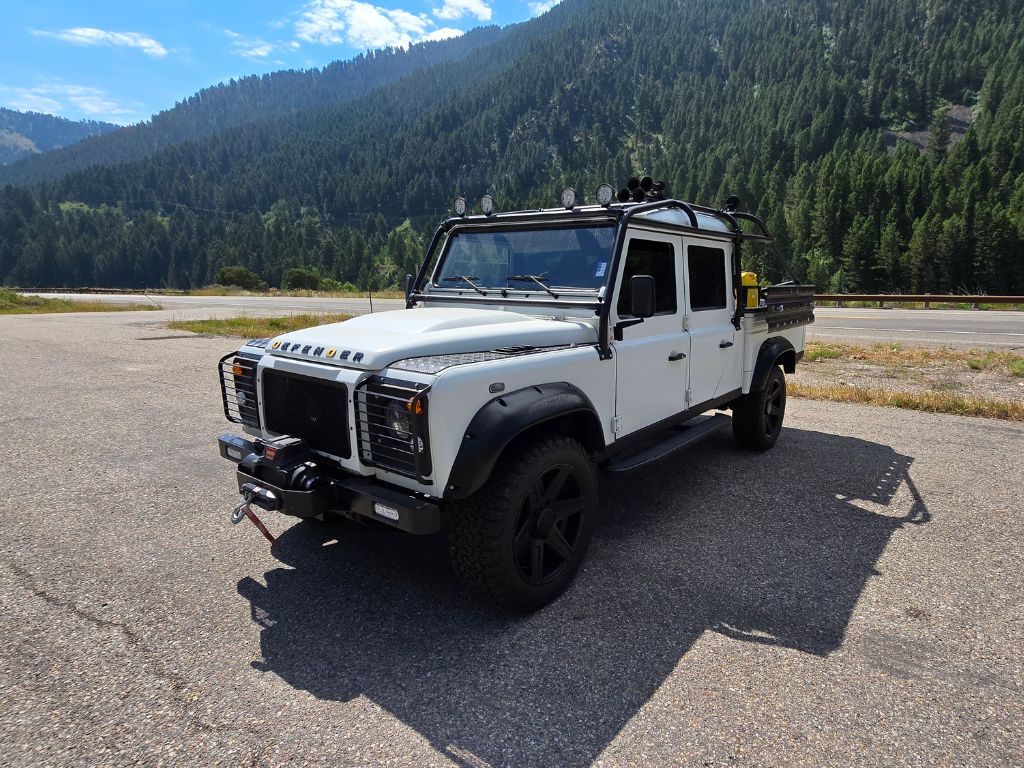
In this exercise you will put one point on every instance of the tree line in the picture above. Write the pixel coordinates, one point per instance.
(882, 141)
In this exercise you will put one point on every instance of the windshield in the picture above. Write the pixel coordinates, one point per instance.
(529, 260)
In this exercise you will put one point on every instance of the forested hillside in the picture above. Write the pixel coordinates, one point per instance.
(798, 106)
(25, 133)
(254, 98)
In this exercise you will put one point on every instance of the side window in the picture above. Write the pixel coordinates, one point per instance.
(706, 273)
(657, 259)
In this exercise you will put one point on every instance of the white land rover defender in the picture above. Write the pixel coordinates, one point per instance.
(537, 348)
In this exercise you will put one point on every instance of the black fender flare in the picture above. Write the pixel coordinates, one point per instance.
(775, 351)
(508, 416)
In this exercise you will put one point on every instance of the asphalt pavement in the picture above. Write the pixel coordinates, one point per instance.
(851, 598)
(1002, 330)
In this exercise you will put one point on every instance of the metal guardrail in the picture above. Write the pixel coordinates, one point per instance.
(918, 298)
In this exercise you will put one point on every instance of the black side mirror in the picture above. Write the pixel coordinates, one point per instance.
(409, 280)
(641, 296)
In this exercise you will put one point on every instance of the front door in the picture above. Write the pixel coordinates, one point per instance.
(710, 307)
(651, 359)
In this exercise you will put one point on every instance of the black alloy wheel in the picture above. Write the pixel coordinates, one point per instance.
(549, 525)
(519, 540)
(757, 417)
(774, 406)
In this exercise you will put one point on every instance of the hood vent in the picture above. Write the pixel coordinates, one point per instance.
(433, 364)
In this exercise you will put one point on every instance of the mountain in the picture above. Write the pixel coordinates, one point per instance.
(27, 133)
(812, 111)
(248, 99)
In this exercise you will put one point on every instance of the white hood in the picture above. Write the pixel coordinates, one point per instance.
(376, 341)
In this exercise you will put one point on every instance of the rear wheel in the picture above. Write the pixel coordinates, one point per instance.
(757, 417)
(519, 540)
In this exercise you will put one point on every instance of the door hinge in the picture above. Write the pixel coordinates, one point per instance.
(616, 425)
(689, 396)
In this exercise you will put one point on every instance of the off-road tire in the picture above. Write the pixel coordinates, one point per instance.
(486, 531)
(757, 417)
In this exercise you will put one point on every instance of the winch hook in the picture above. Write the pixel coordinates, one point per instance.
(244, 509)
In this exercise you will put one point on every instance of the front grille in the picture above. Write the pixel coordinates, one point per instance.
(238, 389)
(379, 445)
(313, 409)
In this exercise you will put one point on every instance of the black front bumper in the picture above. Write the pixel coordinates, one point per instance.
(345, 495)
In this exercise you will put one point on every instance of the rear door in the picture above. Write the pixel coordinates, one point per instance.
(714, 358)
(651, 360)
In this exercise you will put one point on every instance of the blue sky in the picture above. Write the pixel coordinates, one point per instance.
(122, 62)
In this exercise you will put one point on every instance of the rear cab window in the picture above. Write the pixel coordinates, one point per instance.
(706, 275)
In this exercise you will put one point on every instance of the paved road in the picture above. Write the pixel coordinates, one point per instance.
(851, 598)
(916, 327)
(1003, 330)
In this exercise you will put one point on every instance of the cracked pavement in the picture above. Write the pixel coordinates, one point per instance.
(853, 597)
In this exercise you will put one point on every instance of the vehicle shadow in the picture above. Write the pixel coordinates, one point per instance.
(771, 548)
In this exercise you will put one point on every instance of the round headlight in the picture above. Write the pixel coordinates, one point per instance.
(487, 205)
(605, 194)
(567, 198)
(399, 422)
(459, 206)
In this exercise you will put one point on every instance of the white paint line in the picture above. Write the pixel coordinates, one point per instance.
(918, 330)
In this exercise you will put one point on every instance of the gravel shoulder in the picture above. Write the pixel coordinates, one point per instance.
(991, 381)
(851, 598)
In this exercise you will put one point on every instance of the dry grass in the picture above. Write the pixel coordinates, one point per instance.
(932, 402)
(951, 304)
(896, 356)
(12, 303)
(246, 327)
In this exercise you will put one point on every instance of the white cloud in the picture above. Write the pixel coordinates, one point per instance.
(364, 25)
(58, 97)
(444, 33)
(250, 47)
(543, 6)
(456, 9)
(93, 36)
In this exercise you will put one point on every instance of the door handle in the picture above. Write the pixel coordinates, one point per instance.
(724, 344)
(675, 356)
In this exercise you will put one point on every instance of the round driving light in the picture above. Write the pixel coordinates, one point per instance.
(605, 195)
(487, 205)
(399, 422)
(459, 206)
(567, 198)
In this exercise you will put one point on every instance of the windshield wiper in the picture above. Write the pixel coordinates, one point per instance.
(538, 279)
(468, 280)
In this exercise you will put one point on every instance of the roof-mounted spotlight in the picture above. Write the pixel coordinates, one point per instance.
(487, 205)
(732, 204)
(567, 197)
(605, 195)
(459, 206)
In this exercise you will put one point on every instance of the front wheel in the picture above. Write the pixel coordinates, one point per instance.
(519, 540)
(757, 416)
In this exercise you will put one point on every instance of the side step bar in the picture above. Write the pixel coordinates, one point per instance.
(684, 437)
